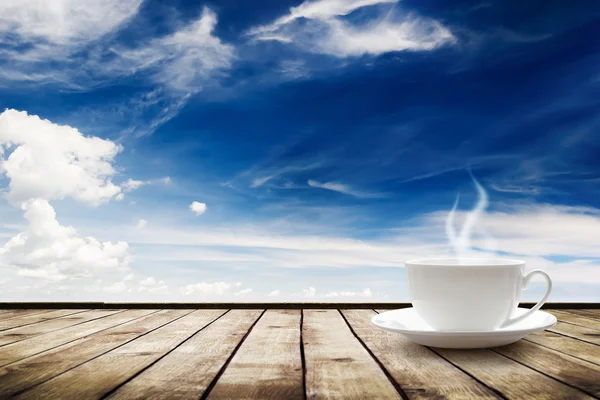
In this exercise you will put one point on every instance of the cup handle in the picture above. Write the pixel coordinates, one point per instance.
(539, 304)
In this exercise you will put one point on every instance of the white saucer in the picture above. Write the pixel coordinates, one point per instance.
(407, 322)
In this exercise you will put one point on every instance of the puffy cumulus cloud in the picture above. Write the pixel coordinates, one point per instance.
(50, 251)
(63, 22)
(320, 26)
(142, 224)
(243, 292)
(116, 288)
(213, 289)
(365, 293)
(274, 293)
(51, 161)
(310, 292)
(198, 208)
(151, 285)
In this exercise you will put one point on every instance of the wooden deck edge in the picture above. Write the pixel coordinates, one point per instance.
(101, 305)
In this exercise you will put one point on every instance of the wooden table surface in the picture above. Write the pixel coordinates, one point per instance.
(279, 354)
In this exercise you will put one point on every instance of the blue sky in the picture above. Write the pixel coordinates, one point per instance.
(289, 150)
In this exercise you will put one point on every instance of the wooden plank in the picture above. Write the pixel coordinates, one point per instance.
(594, 314)
(420, 372)
(205, 354)
(29, 331)
(511, 379)
(35, 318)
(19, 313)
(97, 377)
(268, 365)
(577, 348)
(575, 319)
(337, 365)
(26, 348)
(567, 369)
(578, 332)
(22, 375)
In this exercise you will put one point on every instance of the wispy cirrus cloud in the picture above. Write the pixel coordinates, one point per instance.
(70, 46)
(57, 28)
(341, 188)
(320, 26)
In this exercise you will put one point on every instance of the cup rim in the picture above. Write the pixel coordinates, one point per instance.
(465, 262)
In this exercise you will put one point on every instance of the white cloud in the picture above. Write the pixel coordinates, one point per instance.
(274, 293)
(66, 44)
(49, 251)
(318, 26)
(534, 233)
(341, 188)
(150, 281)
(526, 189)
(211, 289)
(365, 293)
(53, 161)
(116, 288)
(268, 174)
(142, 224)
(243, 292)
(535, 230)
(310, 292)
(63, 22)
(198, 208)
(151, 285)
(131, 184)
(184, 60)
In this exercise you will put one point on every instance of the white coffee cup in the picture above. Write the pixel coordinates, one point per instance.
(470, 294)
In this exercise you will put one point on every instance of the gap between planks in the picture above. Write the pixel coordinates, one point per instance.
(383, 368)
(212, 384)
(164, 355)
(583, 385)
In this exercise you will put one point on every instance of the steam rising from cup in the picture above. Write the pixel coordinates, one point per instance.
(461, 242)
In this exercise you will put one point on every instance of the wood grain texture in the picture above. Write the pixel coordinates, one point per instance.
(577, 348)
(577, 319)
(594, 314)
(513, 380)
(34, 319)
(268, 365)
(337, 365)
(24, 374)
(205, 354)
(184, 354)
(29, 331)
(576, 331)
(6, 314)
(99, 376)
(571, 370)
(26, 348)
(421, 373)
